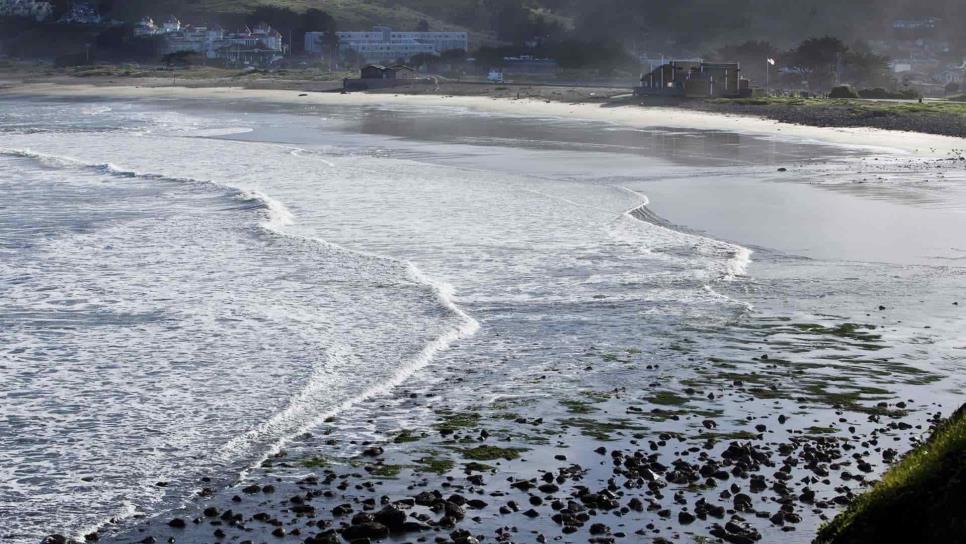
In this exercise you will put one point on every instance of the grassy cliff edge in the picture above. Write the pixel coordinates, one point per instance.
(922, 499)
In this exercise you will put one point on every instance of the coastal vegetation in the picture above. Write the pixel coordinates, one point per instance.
(920, 499)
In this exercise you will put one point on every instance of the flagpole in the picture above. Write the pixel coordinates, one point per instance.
(767, 70)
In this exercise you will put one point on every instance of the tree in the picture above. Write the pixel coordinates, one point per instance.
(818, 59)
(753, 56)
(316, 20)
(422, 26)
(866, 69)
(181, 59)
(453, 55)
(420, 60)
(105, 7)
(294, 25)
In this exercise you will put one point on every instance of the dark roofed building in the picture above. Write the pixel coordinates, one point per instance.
(695, 79)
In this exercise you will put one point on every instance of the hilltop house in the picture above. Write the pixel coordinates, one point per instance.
(383, 44)
(260, 46)
(695, 79)
(33, 9)
(147, 27)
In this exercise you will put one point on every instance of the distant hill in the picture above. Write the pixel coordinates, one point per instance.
(350, 14)
(652, 25)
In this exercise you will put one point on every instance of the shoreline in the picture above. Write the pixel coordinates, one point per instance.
(585, 108)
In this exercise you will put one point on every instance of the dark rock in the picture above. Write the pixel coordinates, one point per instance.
(328, 537)
(362, 517)
(742, 502)
(454, 510)
(599, 529)
(341, 510)
(392, 517)
(428, 498)
(365, 530)
(54, 539)
(414, 527)
(177, 523)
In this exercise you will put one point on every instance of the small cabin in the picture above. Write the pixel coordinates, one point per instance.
(404, 72)
(695, 79)
(375, 71)
(399, 71)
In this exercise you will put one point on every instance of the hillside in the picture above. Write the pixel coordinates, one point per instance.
(351, 14)
(652, 26)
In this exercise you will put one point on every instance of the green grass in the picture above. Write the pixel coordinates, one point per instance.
(921, 499)
(858, 107)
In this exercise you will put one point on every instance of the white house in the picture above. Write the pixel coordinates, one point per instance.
(384, 44)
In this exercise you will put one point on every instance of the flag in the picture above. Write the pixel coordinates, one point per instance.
(771, 61)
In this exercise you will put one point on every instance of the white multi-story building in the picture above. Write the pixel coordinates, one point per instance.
(259, 45)
(384, 44)
(197, 39)
(34, 9)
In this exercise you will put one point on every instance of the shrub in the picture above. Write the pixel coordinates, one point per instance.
(842, 91)
(883, 94)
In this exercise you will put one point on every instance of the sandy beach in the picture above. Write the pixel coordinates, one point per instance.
(923, 145)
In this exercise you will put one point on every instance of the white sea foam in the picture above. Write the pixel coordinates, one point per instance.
(313, 403)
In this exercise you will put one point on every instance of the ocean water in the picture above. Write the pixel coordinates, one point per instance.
(186, 287)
